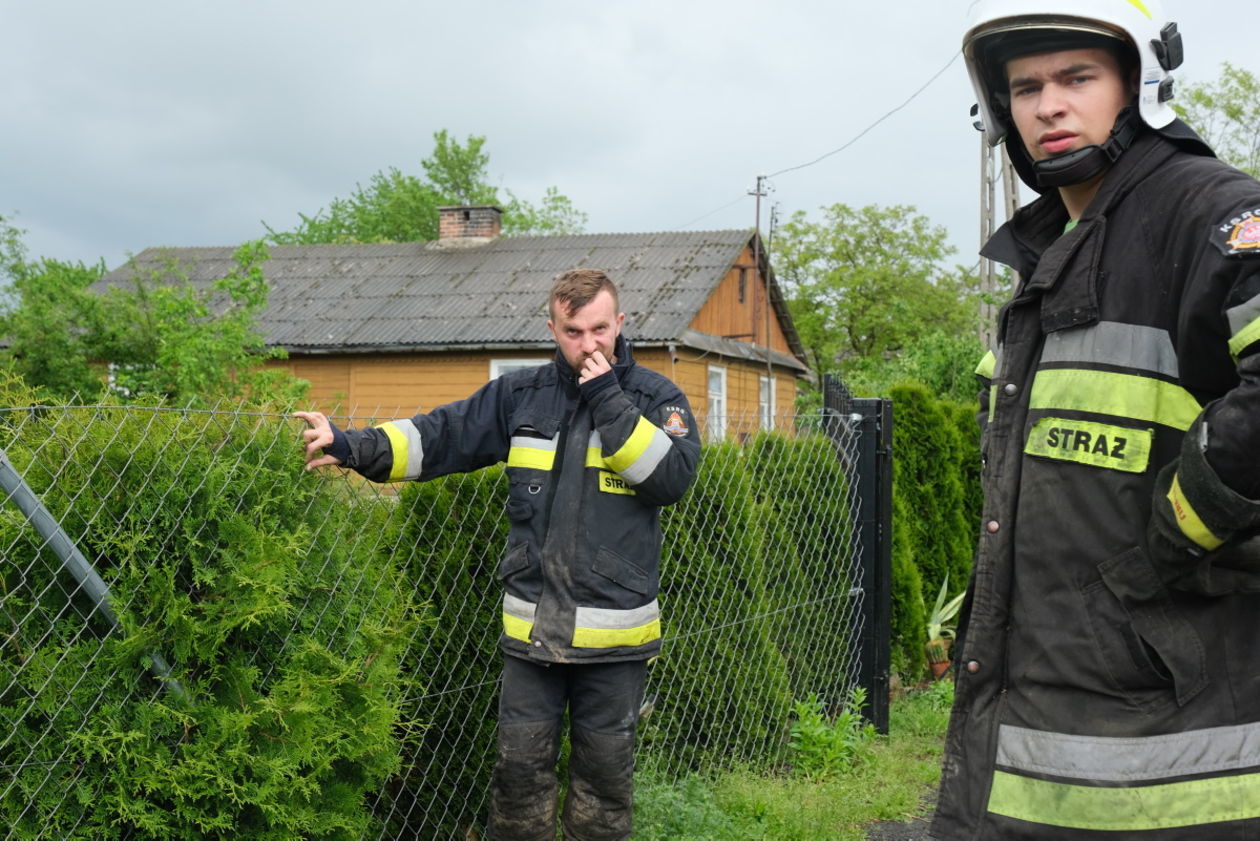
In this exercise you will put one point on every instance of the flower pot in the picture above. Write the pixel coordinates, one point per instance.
(937, 652)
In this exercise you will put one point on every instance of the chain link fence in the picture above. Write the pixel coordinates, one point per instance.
(198, 639)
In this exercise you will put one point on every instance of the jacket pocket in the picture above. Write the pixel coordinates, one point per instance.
(1150, 649)
(516, 559)
(622, 572)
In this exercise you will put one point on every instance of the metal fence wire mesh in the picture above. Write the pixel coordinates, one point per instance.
(198, 639)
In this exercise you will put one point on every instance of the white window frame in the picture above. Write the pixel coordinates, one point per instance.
(499, 367)
(766, 396)
(716, 420)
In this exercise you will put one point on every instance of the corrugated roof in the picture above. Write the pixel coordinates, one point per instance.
(327, 298)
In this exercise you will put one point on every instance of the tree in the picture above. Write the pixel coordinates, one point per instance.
(165, 336)
(399, 207)
(48, 318)
(1226, 113)
(161, 335)
(865, 283)
(945, 362)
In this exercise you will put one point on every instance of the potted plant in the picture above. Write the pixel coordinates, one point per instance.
(940, 630)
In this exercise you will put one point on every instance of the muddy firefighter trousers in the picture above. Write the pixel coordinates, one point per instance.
(603, 700)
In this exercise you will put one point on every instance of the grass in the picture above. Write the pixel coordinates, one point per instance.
(888, 782)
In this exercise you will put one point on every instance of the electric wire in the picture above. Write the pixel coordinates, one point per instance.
(953, 58)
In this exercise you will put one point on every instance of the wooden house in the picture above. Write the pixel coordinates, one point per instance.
(382, 330)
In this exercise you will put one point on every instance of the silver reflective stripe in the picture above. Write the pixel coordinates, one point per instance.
(651, 458)
(599, 617)
(1241, 316)
(1114, 343)
(529, 443)
(415, 448)
(1123, 760)
(519, 608)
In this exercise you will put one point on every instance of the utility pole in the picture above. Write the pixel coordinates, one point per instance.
(761, 190)
(994, 166)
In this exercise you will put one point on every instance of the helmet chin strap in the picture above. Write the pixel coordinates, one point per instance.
(1081, 165)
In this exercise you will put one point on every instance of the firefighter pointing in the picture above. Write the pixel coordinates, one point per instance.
(1109, 654)
(594, 446)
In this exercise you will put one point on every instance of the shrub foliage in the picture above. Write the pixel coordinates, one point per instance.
(233, 566)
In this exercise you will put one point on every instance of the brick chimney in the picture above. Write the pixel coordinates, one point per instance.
(469, 222)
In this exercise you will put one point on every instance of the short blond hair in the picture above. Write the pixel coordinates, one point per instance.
(578, 287)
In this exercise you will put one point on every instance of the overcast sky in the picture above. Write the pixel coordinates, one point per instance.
(149, 122)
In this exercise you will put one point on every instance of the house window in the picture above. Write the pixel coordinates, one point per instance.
(499, 367)
(717, 403)
(765, 401)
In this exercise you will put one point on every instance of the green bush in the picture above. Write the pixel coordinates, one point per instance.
(932, 532)
(451, 542)
(909, 616)
(722, 692)
(804, 503)
(225, 559)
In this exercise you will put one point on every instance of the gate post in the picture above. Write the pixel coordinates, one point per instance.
(870, 425)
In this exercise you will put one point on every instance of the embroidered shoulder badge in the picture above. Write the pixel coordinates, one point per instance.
(674, 424)
(1240, 234)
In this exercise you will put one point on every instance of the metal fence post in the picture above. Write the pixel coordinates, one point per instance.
(72, 559)
(871, 468)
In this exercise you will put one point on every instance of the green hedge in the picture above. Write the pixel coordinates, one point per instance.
(230, 563)
(936, 506)
(452, 540)
(804, 502)
(720, 695)
(337, 646)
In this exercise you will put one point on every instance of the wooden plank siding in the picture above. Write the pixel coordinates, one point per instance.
(737, 309)
(400, 385)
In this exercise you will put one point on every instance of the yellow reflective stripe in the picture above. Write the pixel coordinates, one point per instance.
(636, 445)
(1141, 7)
(988, 364)
(595, 458)
(531, 457)
(1241, 340)
(517, 628)
(1095, 444)
(1188, 519)
(398, 448)
(616, 637)
(1121, 395)
(1131, 809)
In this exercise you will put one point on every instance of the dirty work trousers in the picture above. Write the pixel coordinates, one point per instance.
(603, 701)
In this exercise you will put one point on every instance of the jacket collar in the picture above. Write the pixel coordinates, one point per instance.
(1022, 241)
(1035, 245)
(621, 349)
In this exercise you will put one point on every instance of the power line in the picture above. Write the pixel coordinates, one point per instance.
(866, 130)
(711, 212)
(839, 149)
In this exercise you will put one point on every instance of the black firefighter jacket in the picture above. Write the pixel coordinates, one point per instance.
(1108, 664)
(589, 468)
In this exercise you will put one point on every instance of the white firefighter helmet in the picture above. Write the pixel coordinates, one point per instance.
(1005, 29)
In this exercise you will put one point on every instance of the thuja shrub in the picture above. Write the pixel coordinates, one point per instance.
(452, 540)
(908, 625)
(809, 552)
(927, 460)
(964, 416)
(223, 558)
(720, 685)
